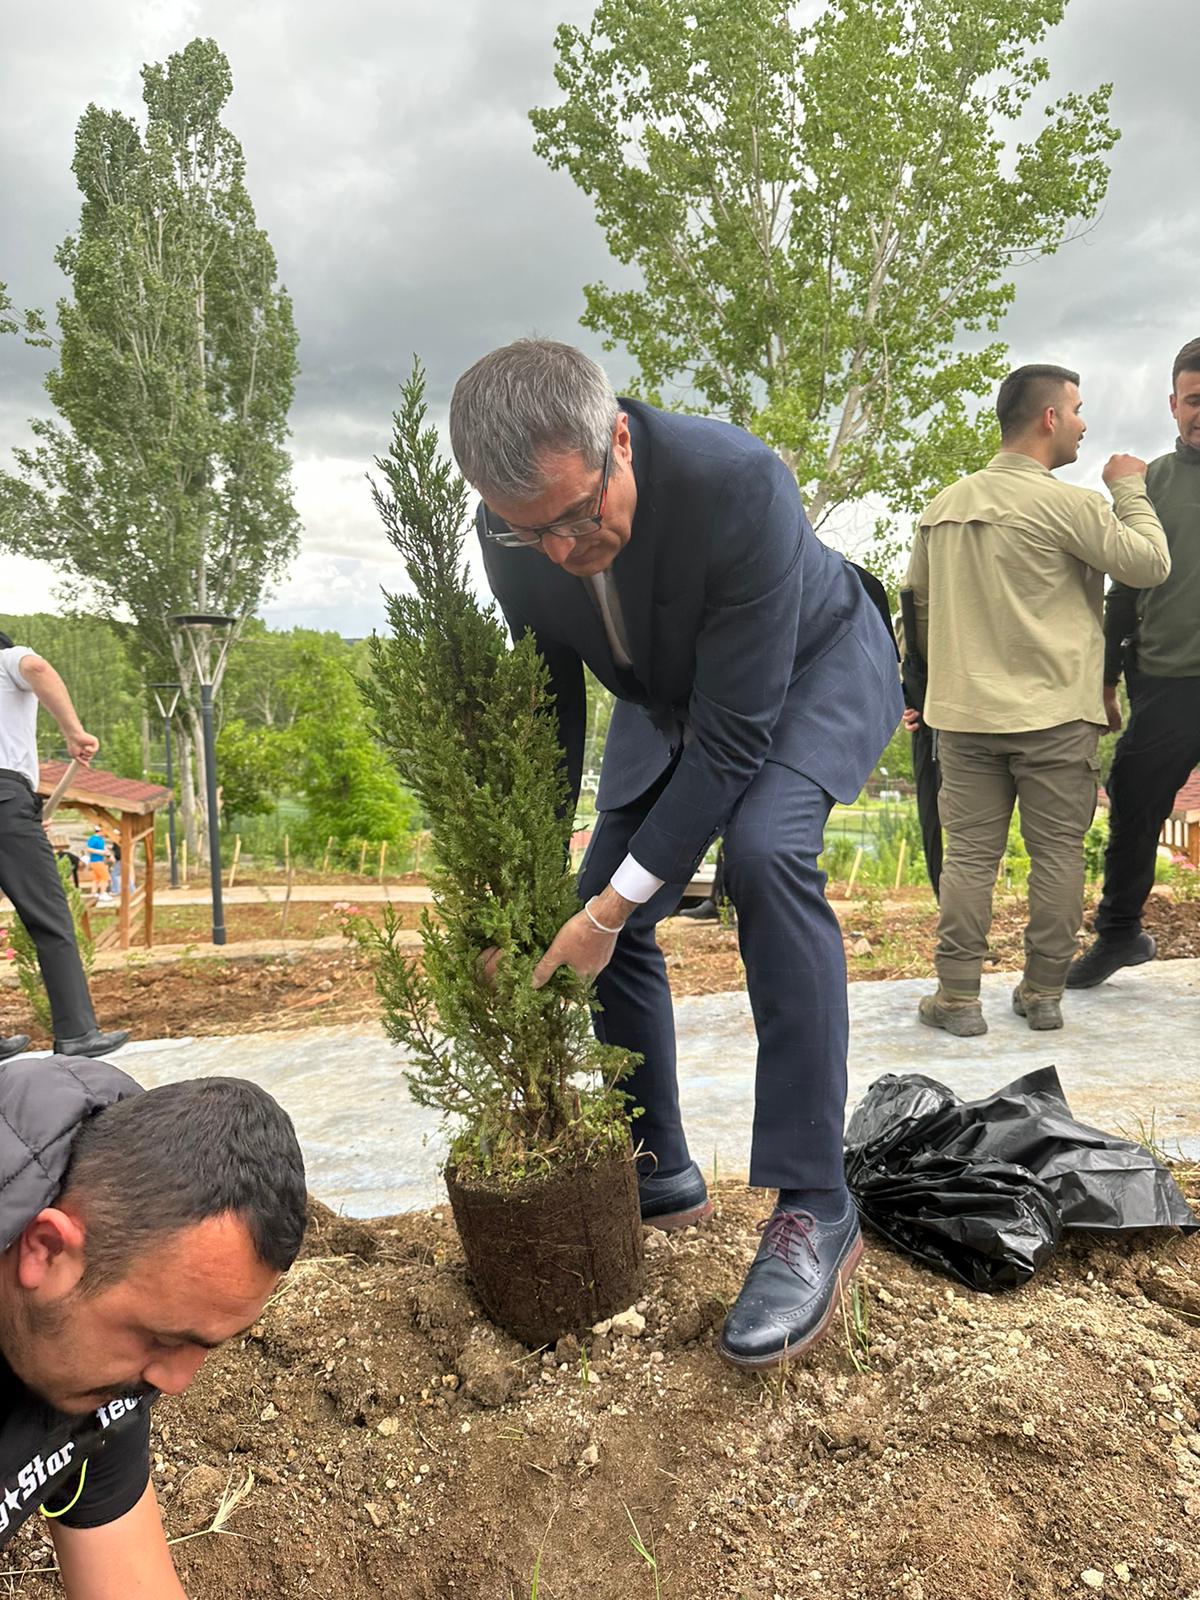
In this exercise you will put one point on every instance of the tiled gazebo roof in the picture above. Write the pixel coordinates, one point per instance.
(95, 787)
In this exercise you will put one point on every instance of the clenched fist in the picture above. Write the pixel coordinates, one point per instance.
(1123, 467)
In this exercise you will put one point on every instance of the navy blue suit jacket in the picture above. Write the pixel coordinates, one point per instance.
(750, 639)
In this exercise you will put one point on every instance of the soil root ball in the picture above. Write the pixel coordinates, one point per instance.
(553, 1254)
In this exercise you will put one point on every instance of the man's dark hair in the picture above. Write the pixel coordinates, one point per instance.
(177, 1155)
(1026, 393)
(5, 642)
(1188, 360)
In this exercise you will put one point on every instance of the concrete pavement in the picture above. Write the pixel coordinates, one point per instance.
(1127, 1055)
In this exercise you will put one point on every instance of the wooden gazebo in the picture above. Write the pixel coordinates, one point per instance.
(1181, 830)
(123, 810)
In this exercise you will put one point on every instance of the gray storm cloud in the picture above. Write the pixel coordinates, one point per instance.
(389, 157)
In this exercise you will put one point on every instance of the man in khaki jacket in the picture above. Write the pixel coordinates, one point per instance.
(1007, 575)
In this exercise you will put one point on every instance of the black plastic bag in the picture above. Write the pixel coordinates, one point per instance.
(983, 1189)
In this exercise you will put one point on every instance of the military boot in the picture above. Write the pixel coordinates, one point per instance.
(1042, 1011)
(961, 1015)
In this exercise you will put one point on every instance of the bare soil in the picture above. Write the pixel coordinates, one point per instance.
(203, 993)
(894, 938)
(376, 1436)
(389, 1442)
(300, 919)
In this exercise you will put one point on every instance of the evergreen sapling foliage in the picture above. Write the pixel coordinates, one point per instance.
(469, 722)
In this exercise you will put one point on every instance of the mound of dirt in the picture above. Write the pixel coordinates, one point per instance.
(941, 1445)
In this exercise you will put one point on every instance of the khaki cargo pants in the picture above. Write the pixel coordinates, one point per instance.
(1053, 773)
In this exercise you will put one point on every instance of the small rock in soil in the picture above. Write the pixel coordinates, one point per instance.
(490, 1367)
(631, 1324)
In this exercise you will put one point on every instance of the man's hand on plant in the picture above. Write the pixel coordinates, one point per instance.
(587, 941)
(577, 944)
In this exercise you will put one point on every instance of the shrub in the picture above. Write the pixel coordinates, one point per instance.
(838, 857)
(468, 722)
(1095, 843)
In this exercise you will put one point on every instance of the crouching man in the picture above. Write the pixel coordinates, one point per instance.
(139, 1232)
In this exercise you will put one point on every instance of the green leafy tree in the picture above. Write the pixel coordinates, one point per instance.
(333, 762)
(125, 751)
(467, 722)
(249, 763)
(164, 487)
(267, 672)
(819, 214)
(896, 758)
(28, 323)
(94, 659)
(600, 709)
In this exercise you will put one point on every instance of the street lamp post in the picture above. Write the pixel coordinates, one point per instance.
(166, 697)
(203, 626)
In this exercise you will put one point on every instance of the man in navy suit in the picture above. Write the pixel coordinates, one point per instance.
(756, 684)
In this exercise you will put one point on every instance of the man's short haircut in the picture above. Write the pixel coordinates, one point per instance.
(1026, 393)
(176, 1156)
(1188, 360)
(525, 401)
(5, 642)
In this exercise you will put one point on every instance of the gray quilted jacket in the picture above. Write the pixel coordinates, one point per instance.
(43, 1100)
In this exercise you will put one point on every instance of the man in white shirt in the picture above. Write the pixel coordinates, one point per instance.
(28, 871)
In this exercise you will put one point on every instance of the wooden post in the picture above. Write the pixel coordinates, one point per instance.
(382, 858)
(126, 874)
(362, 858)
(858, 855)
(148, 884)
(418, 843)
(237, 851)
(287, 905)
(287, 853)
(183, 866)
(325, 857)
(900, 860)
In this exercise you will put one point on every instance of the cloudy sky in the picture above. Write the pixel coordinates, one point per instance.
(389, 157)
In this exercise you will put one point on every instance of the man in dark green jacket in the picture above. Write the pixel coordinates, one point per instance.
(1155, 635)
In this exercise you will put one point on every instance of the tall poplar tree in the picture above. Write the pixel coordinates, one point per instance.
(163, 486)
(818, 213)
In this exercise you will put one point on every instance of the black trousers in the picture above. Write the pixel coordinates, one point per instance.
(29, 877)
(791, 944)
(927, 776)
(1154, 757)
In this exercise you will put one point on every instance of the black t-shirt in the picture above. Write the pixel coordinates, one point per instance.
(43, 1451)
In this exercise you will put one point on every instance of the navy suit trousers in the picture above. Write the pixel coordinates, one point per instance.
(791, 945)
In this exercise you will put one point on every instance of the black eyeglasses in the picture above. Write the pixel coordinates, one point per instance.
(571, 528)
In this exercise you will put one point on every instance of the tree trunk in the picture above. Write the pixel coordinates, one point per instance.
(191, 810)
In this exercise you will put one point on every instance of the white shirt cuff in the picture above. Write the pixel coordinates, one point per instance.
(633, 882)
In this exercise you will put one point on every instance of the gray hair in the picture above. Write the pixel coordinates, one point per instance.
(521, 403)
